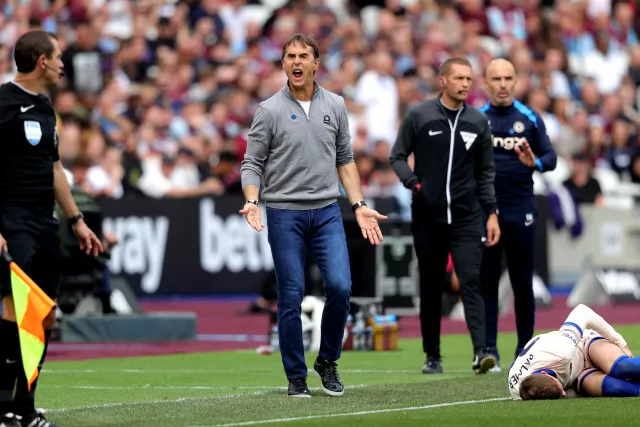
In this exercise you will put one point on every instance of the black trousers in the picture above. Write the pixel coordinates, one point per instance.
(433, 242)
(518, 243)
(34, 244)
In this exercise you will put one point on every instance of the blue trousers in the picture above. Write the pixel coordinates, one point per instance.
(293, 233)
(518, 243)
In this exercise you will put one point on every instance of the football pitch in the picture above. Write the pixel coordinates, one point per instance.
(242, 388)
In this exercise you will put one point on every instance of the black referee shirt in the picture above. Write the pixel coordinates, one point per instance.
(28, 149)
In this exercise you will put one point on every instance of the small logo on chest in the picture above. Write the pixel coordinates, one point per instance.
(326, 120)
(518, 127)
(32, 132)
(468, 138)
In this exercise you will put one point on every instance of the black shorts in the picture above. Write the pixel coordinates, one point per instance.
(34, 244)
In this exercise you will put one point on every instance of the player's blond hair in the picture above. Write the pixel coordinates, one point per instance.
(539, 387)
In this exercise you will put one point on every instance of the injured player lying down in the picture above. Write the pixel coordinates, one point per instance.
(586, 357)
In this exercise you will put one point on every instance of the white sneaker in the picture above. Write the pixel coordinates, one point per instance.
(496, 368)
(457, 313)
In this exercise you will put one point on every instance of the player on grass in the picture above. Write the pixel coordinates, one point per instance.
(586, 356)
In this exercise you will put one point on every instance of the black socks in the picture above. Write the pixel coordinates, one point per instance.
(10, 364)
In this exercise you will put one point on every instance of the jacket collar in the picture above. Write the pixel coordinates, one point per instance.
(287, 91)
(500, 109)
(444, 108)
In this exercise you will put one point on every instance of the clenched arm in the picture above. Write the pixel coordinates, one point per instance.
(404, 146)
(257, 152)
(62, 191)
(485, 170)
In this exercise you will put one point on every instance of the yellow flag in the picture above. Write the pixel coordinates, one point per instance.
(32, 306)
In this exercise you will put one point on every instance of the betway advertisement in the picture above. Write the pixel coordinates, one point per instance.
(204, 246)
(190, 246)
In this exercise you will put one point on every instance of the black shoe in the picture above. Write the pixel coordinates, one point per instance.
(328, 373)
(433, 366)
(298, 388)
(10, 420)
(483, 361)
(36, 419)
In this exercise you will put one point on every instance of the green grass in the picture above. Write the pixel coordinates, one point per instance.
(383, 389)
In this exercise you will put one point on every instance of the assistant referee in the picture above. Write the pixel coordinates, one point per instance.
(31, 181)
(452, 183)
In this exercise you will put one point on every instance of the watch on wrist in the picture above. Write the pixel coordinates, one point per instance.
(253, 202)
(74, 220)
(357, 205)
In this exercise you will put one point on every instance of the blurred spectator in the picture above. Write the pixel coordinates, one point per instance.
(168, 89)
(584, 187)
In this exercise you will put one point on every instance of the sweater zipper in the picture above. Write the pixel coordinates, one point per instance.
(452, 140)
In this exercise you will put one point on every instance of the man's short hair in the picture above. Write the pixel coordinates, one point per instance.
(30, 46)
(539, 387)
(445, 68)
(305, 41)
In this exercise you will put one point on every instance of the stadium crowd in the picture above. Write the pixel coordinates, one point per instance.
(159, 94)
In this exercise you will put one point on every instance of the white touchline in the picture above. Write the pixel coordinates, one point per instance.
(153, 402)
(167, 387)
(213, 371)
(353, 414)
(182, 399)
(179, 387)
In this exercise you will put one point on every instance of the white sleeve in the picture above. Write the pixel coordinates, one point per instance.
(582, 317)
(153, 186)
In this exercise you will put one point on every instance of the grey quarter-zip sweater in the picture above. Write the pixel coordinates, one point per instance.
(294, 157)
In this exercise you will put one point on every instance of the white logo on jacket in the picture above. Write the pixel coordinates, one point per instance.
(468, 138)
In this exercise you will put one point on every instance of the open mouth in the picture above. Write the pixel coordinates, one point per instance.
(297, 74)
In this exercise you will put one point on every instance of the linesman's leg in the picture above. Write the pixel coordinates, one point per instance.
(22, 249)
(46, 274)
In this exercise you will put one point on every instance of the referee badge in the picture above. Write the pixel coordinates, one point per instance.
(518, 127)
(32, 132)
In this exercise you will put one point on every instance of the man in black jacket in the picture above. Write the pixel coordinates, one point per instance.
(452, 185)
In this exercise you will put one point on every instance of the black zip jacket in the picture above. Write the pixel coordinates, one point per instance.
(454, 162)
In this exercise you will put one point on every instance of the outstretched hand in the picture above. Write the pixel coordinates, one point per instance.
(368, 221)
(89, 242)
(251, 213)
(525, 154)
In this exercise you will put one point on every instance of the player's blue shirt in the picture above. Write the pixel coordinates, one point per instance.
(511, 126)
